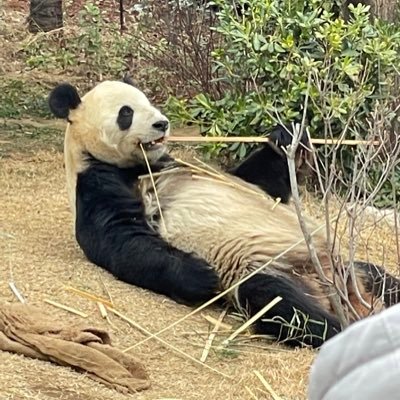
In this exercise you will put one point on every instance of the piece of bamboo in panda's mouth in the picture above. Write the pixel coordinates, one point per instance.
(255, 139)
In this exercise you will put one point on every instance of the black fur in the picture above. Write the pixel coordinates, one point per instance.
(125, 117)
(267, 167)
(63, 99)
(128, 80)
(379, 282)
(113, 233)
(161, 126)
(297, 319)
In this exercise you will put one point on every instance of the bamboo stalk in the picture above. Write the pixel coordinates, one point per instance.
(267, 386)
(255, 139)
(211, 337)
(154, 186)
(254, 318)
(102, 310)
(66, 308)
(217, 176)
(163, 342)
(253, 396)
(226, 291)
(89, 296)
(16, 292)
(214, 321)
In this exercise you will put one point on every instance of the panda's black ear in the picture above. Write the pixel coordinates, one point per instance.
(63, 99)
(128, 80)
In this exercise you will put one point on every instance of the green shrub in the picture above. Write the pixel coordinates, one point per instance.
(92, 46)
(279, 50)
(19, 99)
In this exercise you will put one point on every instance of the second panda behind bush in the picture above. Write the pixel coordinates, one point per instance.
(210, 233)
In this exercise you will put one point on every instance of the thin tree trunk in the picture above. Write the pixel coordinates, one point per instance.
(385, 9)
(45, 15)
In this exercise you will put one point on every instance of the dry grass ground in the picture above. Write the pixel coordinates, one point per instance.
(38, 252)
(42, 257)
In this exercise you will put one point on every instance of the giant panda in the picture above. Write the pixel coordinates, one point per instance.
(196, 235)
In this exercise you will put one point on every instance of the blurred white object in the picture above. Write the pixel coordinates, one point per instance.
(361, 363)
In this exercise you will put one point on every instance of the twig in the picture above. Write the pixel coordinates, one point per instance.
(218, 177)
(16, 292)
(238, 350)
(291, 151)
(205, 165)
(102, 310)
(162, 341)
(214, 321)
(163, 172)
(255, 139)
(154, 187)
(267, 386)
(89, 296)
(251, 393)
(66, 308)
(277, 202)
(106, 289)
(7, 235)
(237, 344)
(210, 339)
(231, 184)
(203, 332)
(254, 318)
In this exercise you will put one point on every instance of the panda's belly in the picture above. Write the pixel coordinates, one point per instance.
(234, 226)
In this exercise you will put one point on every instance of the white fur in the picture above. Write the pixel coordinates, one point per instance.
(233, 229)
(94, 129)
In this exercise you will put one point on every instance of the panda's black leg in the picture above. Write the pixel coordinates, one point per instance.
(112, 230)
(379, 282)
(267, 166)
(296, 320)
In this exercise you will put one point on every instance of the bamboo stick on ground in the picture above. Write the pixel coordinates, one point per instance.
(16, 292)
(212, 337)
(65, 308)
(254, 318)
(163, 342)
(226, 291)
(89, 296)
(267, 386)
(215, 321)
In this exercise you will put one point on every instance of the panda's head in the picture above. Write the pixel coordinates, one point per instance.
(109, 123)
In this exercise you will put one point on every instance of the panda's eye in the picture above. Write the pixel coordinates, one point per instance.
(125, 117)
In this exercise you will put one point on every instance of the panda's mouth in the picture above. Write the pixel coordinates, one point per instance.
(154, 144)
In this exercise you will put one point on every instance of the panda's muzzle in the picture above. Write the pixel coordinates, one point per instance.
(160, 127)
(154, 144)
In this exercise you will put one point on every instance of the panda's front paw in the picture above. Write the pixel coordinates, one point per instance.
(196, 282)
(282, 136)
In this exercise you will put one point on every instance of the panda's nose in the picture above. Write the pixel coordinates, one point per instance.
(161, 126)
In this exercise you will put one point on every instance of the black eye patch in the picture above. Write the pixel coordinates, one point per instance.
(125, 117)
